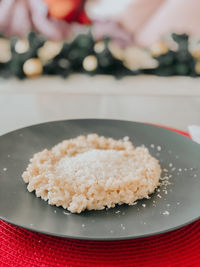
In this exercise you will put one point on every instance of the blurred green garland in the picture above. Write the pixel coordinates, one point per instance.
(36, 55)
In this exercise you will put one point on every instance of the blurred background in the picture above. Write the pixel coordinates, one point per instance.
(128, 59)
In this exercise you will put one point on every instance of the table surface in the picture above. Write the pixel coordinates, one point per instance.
(174, 102)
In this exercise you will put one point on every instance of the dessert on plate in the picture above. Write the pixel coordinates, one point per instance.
(92, 172)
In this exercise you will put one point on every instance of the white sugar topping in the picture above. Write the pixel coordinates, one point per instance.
(97, 163)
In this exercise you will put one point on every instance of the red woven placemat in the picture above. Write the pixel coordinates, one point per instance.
(20, 247)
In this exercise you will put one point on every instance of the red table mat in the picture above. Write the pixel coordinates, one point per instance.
(20, 247)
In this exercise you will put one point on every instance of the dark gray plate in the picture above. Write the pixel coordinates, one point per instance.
(166, 210)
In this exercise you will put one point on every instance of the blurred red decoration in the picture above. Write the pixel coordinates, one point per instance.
(68, 10)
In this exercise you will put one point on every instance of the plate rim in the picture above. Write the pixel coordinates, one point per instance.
(170, 129)
(103, 238)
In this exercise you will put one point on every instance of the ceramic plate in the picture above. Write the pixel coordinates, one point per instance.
(168, 208)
